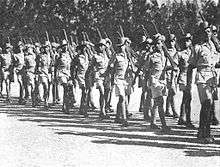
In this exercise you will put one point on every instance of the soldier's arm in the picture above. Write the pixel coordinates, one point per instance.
(192, 64)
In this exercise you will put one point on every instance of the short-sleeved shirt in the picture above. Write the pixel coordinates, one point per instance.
(19, 61)
(45, 63)
(6, 60)
(29, 62)
(121, 65)
(100, 61)
(64, 63)
(183, 63)
(204, 60)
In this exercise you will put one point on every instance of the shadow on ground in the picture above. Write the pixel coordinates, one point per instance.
(108, 132)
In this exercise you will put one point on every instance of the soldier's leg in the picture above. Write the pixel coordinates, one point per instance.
(188, 111)
(159, 102)
(46, 90)
(1, 88)
(90, 100)
(214, 119)
(32, 92)
(168, 100)
(83, 105)
(8, 90)
(205, 95)
(102, 114)
(181, 120)
(147, 104)
(21, 92)
(172, 103)
(54, 92)
(141, 106)
(121, 111)
(153, 115)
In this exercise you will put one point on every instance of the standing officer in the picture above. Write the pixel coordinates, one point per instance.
(183, 58)
(204, 59)
(171, 76)
(5, 70)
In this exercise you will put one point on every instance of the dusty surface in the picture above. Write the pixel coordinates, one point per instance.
(36, 137)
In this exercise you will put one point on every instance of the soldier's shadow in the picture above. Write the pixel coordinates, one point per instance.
(108, 132)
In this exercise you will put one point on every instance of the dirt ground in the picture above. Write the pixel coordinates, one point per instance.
(37, 137)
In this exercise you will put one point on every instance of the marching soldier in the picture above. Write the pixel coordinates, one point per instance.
(63, 74)
(6, 65)
(44, 71)
(121, 65)
(100, 63)
(19, 65)
(204, 59)
(183, 58)
(157, 62)
(146, 97)
(171, 76)
(80, 67)
(29, 71)
(55, 86)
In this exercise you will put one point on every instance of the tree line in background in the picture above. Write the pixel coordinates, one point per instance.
(30, 19)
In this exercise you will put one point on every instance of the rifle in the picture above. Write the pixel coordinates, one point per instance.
(111, 47)
(213, 38)
(99, 33)
(68, 44)
(145, 31)
(181, 29)
(131, 50)
(11, 68)
(173, 64)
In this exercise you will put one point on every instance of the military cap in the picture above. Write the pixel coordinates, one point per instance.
(20, 43)
(37, 44)
(108, 41)
(214, 29)
(171, 37)
(55, 45)
(123, 40)
(204, 25)
(158, 37)
(101, 42)
(187, 36)
(8, 45)
(80, 47)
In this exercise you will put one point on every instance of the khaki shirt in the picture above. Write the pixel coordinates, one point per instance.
(204, 60)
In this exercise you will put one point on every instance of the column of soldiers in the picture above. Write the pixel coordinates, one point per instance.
(163, 69)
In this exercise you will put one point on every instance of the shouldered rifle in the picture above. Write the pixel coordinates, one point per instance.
(173, 64)
(68, 44)
(213, 38)
(99, 33)
(111, 47)
(181, 28)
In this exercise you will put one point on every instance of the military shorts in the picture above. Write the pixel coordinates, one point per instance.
(62, 78)
(205, 92)
(129, 89)
(29, 78)
(120, 86)
(4, 74)
(44, 78)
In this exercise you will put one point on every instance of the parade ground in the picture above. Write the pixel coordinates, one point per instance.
(37, 137)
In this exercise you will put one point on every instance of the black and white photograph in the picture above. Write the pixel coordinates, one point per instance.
(109, 83)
